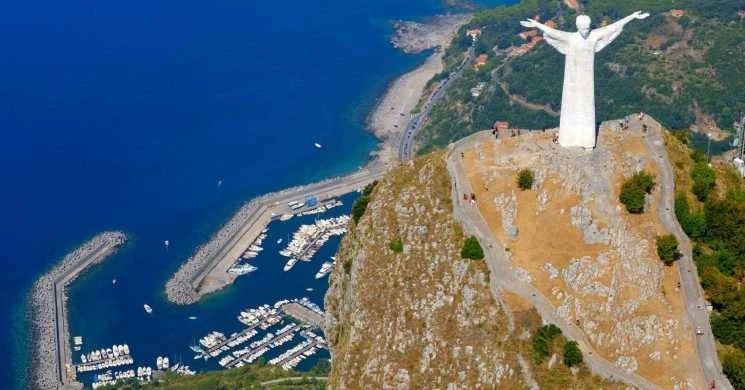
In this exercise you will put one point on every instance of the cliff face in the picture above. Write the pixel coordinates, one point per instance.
(420, 316)
(424, 315)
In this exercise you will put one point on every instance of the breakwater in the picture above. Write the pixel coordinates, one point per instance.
(51, 356)
(206, 270)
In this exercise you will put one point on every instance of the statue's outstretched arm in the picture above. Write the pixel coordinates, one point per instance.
(606, 35)
(556, 38)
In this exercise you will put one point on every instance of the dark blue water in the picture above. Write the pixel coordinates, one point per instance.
(125, 114)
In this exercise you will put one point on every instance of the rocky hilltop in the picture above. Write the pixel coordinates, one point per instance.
(404, 308)
(572, 240)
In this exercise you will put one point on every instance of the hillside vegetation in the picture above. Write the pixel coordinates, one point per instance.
(680, 70)
(715, 221)
(247, 377)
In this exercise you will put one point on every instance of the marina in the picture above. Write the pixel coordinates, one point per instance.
(309, 238)
(262, 318)
(117, 355)
(262, 331)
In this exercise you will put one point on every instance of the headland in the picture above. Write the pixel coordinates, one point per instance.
(51, 356)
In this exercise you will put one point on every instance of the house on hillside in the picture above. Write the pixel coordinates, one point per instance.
(527, 35)
(677, 13)
(481, 60)
(474, 34)
(501, 126)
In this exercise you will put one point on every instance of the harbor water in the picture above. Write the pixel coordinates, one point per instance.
(160, 119)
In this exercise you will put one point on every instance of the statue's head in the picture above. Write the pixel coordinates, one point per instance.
(583, 25)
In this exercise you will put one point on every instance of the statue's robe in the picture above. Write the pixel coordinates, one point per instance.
(577, 125)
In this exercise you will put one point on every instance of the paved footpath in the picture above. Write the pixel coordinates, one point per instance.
(689, 281)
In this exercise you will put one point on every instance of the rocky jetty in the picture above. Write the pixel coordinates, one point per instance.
(184, 287)
(50, 347)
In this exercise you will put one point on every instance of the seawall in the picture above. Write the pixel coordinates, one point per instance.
(51, 356)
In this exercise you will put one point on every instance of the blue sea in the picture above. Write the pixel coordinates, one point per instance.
(126, 114)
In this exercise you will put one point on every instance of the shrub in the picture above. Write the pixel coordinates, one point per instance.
(525, 179)
(397, 246)
(347, 266)
(634, 190)
(667, 248)
(572, 354)
(472, 249)
(542, 340)
(360, 205)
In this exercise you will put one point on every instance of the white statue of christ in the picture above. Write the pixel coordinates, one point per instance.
(577, 125)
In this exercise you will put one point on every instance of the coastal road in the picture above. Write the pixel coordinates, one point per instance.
(406, 146)
(504, 276)
(689, 281)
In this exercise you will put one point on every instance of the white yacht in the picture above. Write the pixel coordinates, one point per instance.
(325, 269)
(290, 263)
(148, 309)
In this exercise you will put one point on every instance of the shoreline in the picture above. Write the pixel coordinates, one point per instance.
(51, 355)
(205, 271)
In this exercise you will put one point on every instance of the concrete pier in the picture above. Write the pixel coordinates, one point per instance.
(207, 270)
(303, 314)
(51, 366)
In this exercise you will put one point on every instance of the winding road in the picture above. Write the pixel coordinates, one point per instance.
(689, 281)
(406, 148)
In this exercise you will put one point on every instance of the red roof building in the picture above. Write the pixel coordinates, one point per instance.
(677, 12)
(481, 60)
(501, 125)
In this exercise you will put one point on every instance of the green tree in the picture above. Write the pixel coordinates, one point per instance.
(694, 224)
(704, 180)
(634, 190)
(667, 248)
(472, 249)
(572, 354)
(542, 340)
(733, 365)
(525, 179)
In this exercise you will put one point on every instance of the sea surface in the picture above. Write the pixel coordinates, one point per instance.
(127, 114)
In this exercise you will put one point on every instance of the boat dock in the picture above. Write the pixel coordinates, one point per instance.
(52, 365)
(303, 314)
(249, 355)
(293, 356)
(207, 270)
